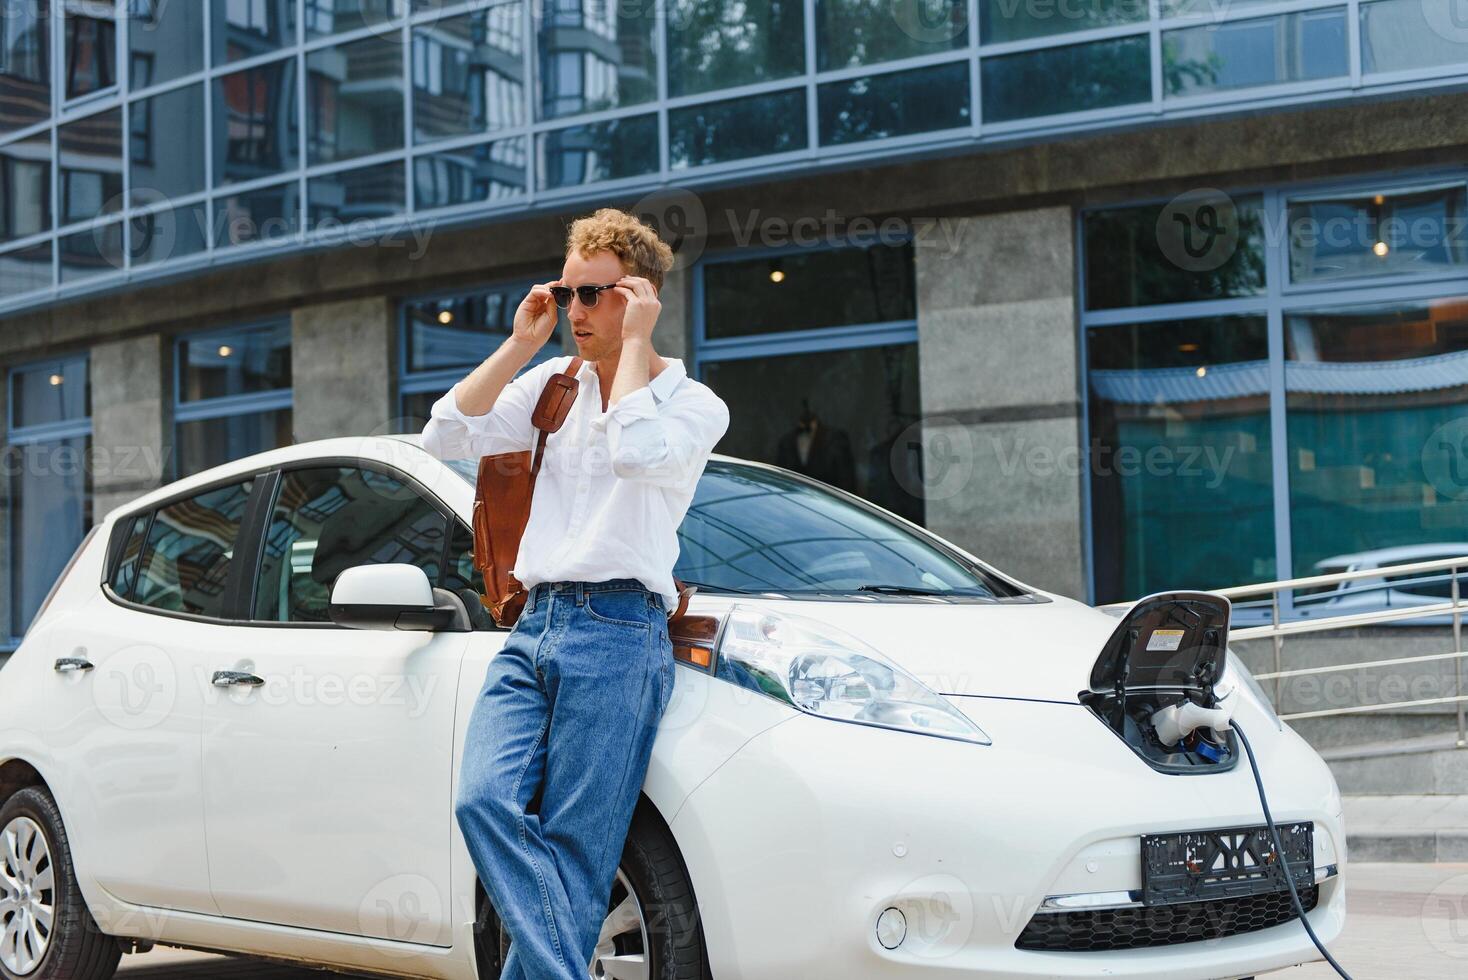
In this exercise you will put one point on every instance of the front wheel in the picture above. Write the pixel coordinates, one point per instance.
(651, 927)
(46, 930)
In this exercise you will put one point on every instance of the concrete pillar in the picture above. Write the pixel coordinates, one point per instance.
(132, 419)
(343, 368)
(999, 367)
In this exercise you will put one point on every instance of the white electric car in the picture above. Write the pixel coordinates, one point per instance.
(237, 721)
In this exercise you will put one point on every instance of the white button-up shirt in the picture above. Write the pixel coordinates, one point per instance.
(613, 486)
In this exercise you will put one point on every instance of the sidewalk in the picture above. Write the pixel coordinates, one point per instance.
(1422, 829)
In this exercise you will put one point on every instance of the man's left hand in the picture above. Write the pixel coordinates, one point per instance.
(642, 310)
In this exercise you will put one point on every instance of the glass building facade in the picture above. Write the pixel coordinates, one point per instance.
(141, 137)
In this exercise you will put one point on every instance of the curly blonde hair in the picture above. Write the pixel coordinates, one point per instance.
(636, 245)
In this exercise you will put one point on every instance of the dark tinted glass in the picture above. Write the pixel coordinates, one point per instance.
(354, 195)
(255, 113)
(167, 39)
(209, 442)
(1001, 21)
(166, 145)
(607, 150)
(1248, 53)
(126, 571)
(895, 104)
(52, 391)
(713, 132)
(1074, 78)
(354, 99)
(260, 215)
(1400, 232)
(809, 289)
(190, 551)
(1207, 247)
(249, 28)
(25, 270)
(866, 32)
(714, 44)
(91, 51)
(468, 73)
(594, 55)
(473, 174)
(235, 362)
(91, 166)
(327, 520)
(94, 252)
(25, 45)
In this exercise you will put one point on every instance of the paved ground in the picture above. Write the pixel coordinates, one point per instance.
(1404, 922)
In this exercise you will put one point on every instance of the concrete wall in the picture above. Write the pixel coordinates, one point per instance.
(1000, 391)
(132, 418)
(343, 368)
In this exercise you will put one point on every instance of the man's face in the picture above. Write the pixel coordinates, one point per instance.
(598, 330)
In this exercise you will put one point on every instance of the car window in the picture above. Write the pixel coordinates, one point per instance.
(189, 550)
(125, 571)
(327, 519)
(461, 573)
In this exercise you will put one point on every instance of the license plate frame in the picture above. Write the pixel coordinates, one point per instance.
(1227, 862)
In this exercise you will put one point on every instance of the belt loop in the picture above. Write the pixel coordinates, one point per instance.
(580, 592)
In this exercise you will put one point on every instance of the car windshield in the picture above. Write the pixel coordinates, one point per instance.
(752, 529)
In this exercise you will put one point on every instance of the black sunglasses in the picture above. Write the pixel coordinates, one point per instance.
(587, 294)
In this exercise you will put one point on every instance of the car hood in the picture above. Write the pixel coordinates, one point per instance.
(1041, 651)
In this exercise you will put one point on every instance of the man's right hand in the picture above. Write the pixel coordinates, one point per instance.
(536, 317)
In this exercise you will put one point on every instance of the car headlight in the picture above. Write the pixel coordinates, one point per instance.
(827, 672)
(1235, 673)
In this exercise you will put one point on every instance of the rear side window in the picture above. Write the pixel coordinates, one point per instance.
(125, 571)
(188, 552)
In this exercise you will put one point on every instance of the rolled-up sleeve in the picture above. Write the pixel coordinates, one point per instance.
(664, 444)
(506, 427)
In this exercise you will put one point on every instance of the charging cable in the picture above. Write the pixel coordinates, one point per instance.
(1284, 862)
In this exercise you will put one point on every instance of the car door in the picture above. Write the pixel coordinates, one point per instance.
(327, 783)
(127, 708)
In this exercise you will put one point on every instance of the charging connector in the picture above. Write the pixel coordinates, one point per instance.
(1283, 861)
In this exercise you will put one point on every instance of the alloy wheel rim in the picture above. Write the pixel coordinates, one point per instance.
(27, 895)
(621, 949)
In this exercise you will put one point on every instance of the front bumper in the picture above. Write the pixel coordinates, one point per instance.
(800, 843)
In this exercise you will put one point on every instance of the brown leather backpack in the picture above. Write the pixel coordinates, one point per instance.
(502, 493)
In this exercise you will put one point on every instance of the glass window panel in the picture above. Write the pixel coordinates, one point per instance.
(260, 215)
(325, 17)
(235, 362)
(1167, 253)
(1181, 480)
(166, 145)
(204, 443)
(354, 99)
(594, 55)
(255, 115)
(867, 32)
(460, 573)
(250, 28)
(809, 289)
(25, 270)
(91, 49)
(94, 252)
(735, 129)
(481, 173)
(171, 233)
(468, 73)
(51, 511)
(356, 195)
(25, 176)
(125, 574)
(1375, 401)
(1263, 51)
(330, 519)
(1008, 20)
(91, 166)
(190, 551)
(456, 331)
(169, 35)
(714, 44)
(1397, 36)
(608, 150)
(1074, 78)
(1392, 233)
(53, 391)
(895, 104)
(25, 65)
(835, 415)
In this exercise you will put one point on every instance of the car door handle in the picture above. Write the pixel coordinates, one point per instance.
(227, 678)
(67, 665)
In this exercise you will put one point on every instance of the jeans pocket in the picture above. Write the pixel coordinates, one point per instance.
(618, 607)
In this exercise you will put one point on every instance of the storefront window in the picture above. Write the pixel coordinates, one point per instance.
(234, 395)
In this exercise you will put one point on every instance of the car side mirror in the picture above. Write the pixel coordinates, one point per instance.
(394, 596)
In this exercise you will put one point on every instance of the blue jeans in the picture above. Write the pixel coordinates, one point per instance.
(570, 707)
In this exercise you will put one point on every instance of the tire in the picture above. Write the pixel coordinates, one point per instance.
(665, 931)
(75, 948)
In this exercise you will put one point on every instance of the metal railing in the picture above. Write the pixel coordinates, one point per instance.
(1277, 630)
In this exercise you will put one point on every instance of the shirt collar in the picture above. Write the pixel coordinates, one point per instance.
(662, 386)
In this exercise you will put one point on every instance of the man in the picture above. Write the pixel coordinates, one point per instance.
(571, 704)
